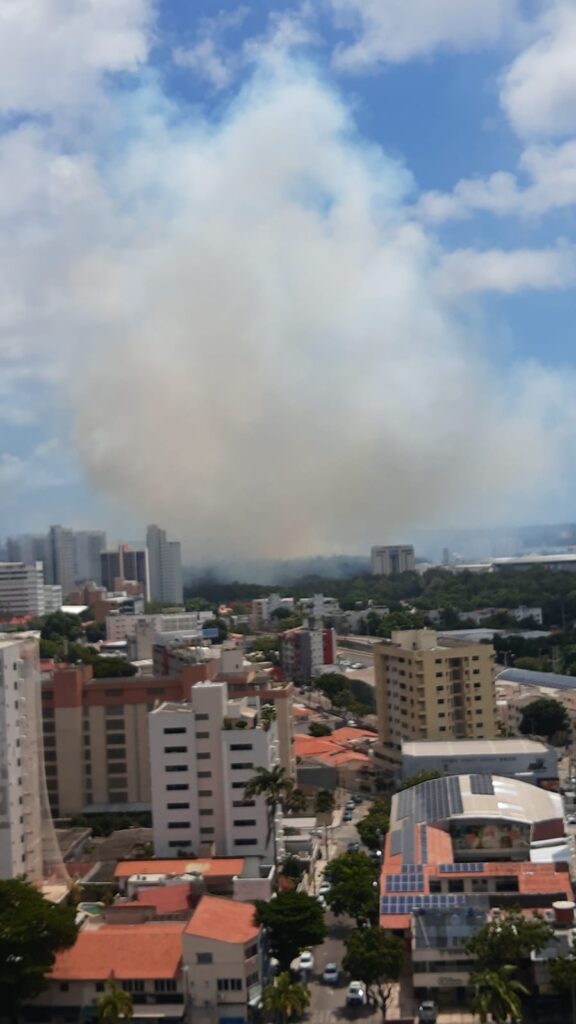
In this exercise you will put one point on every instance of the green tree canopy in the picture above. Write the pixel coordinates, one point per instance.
(375, 825)
(324, 802)
(276, 786)
(508, 939)
(61, 624)
(292, 867)
(376, 958)
(319, 729)
(294, 921)
(544, 717)
(421, 776)
(32, 931)
(285, 1000)
(353, 887)
(115, 1005)
(497, 995)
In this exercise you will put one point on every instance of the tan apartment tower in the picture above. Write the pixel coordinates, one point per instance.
(427, 690)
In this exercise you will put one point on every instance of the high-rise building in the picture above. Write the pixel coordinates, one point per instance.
(165, 567)
(21, 590)
(22, 782)
(62, 558)
(426, 690)
(203, 752)
(110, 568)
(125, 563)
(304, 652)
(88, 544)
(392, 559)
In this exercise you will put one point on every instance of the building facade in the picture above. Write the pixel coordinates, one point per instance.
(305, 652)
(428, 691)
(391, 559)
(165, 567)
(21, 589)
(203, 752)
(529, 760)
(88, 546)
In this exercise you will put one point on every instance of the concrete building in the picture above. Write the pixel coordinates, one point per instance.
(61, 566)
(89, 544)
(431, 691)
(119, 627)
(21, 590)
(391, 559)
(319, 607)
(528, 760)
(28, 548)
(263, 608)
(125, 563)
(52, 598)
(202, 754)
(165, 567)
(304, 652)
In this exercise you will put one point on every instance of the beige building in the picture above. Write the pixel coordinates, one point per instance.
(431, 691)
(391, 559)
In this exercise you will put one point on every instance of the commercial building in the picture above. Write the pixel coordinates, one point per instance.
(529, 760)
(165, 567)
(459, 851)
(88, 546)
(61, 562)
(21, 590)
(555, 563)
(391, 559)
(304, 652)
(426, 690)
(203, 752)
(52, 598)
(119, 627)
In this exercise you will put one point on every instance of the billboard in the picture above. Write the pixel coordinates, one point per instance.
(490, 836)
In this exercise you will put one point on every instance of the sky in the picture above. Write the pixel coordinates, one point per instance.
(287, 278)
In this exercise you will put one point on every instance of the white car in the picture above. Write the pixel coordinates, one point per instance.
(356, 994)
(427, 1012)
(572, 819)
(306, 961)
(324, 888)
(320, 899)
(330, 974)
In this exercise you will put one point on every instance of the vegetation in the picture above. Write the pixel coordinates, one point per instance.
(295, 801)
(325, 802)
(497, 994)
(375, 825)
(375, 958)
(106, 824)
(544, 717)
(563, 971)
(32, 931)
(276, 786)
(421, 776)
(353, 887)
(285, 1000)
(319, 729)
(115, 1005)
(340, 692)
(294, 921)
(508, 939)
(217, 623)
(292, 867)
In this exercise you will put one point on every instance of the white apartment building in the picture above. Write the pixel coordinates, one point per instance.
(390, 559)
(21, 763)
(202, 754)
(21, 589)
(263, 608)
(319, 607)
(165, 566)
(52, 598)
(119, 626)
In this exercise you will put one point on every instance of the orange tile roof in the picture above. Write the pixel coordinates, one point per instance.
(165, 899)
(298, 712)
(311, 746)
(221, 867)
(347, 734)
(223, 920)
(136, 951)
(344, 757)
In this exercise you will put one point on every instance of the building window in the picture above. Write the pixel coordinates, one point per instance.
(246, 842)
(239, 765)
(204, 775)
(241, 746)
(64, 986)
(117, 769)
(243, 803)
(175, 750)
(133, 986)
(114, 693)
(203, 757)
(175, 731)
(200, 717)
(114, 755)
(100, 986)
(456, 885)
(116, 739)
(176, 768)
(229, 984)
(251, 951)
(204, 958)
(204, 792)
(180, 786)
(238, 785)
(207, 831)
(243, 822)
(178, 824)
(121, 797)
(206, 812)
(178, 807)
(165, 985)
(202, 735)
(179, 844)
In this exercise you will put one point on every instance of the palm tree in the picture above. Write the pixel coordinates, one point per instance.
(295, 800)
(115, 1005)
(274, 784)
(267, 715)
(498, 994)
(325, 802)
(285, 999)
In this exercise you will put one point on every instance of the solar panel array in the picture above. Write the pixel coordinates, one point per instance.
(431, 801)
(403, 883)
(407, 904)
(396, 841)
(529, 678)
(412, 869)
(482, 785)
(471, 868)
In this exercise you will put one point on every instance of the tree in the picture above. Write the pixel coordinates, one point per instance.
(324, 802)
(32, 931)
(115, 1005)
(375, 825)
(285, 999)
(295, 800)
(498, 994)
(335, 687)
(353, 887)
(544, 717)
(268, 715)
(562, 971)
(294, 921)
(508, 939)
(421, 776)
(95, 631)
(61, 624)
(111, 668)
(274, 784)
(319, 729)
(219, 624)
(376, 958)
(292, 867)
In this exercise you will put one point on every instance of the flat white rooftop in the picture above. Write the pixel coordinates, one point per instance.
(462, 748)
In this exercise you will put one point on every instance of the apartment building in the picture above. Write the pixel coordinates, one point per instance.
(431, 691)
(119, 626)
(125, 563)
(22, 785)
(165, 567)
(391, 559)
(203, 751)
(262, 609)
(21, 590)
(319, 607)
(305, 652)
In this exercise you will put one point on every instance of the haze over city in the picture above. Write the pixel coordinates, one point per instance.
(288, 279)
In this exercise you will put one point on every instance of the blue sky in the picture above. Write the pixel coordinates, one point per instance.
(308, 266)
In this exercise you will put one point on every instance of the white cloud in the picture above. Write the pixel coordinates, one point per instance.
(546, 181)
(538, 90)
(209, 62)
(465, 271)
(399, 30)
(52, 53)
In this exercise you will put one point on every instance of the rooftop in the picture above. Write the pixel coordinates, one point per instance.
(459, 748)
(128, 952)
(222, 920)
(221, 867)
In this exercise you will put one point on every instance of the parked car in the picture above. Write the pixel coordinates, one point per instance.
(306, 961)
(320, 899)
(571, 819)
(427, 1012)
(352, 847)
(351, 723)
(350, 805)
(330, 974)
(356, 994)
(357, 798)
(324, 888)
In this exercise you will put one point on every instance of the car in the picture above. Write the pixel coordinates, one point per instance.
(306, 962)
(357, 664)
(330, 974)
(352, 847)
(320, 899)
(324, 888)
(427, 1012)
(347, 816)
(357, 798)
(350, 805)
(355, 994)
(572, 819)
(351, 723)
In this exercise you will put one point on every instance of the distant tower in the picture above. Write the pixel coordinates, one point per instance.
(164, 566)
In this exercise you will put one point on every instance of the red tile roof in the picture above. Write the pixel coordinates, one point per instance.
(348, 735)
(223, 920)
(137, 951)
(215, 867)
(326, 750)
(165, 899)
